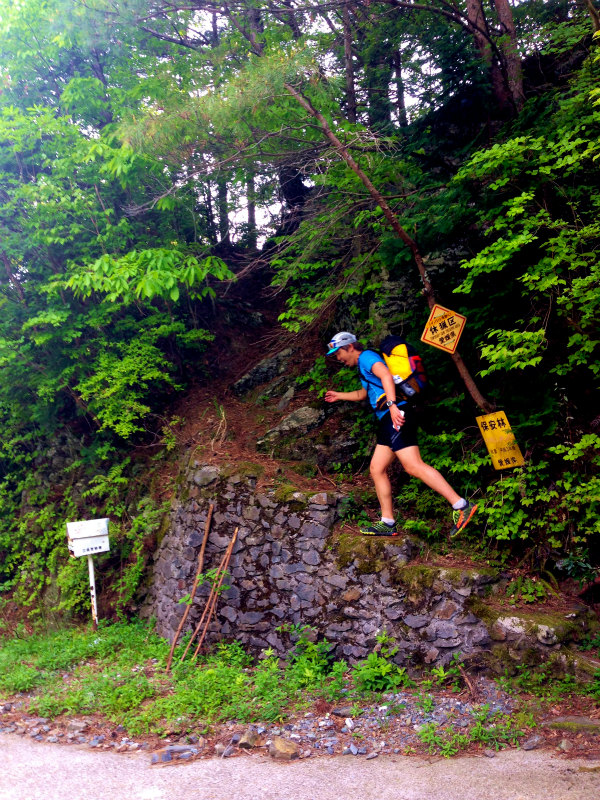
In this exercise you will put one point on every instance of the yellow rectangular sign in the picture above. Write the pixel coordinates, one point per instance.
(443, 328)
(500, 441)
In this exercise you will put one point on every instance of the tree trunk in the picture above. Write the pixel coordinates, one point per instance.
(594, 15)
(400, 101)
(479, 28)
(210, 215)
(391, 217)
(12, 280)
(378, 73)
(223, 210)
(349, 66)
(510, 51)
(251, 196)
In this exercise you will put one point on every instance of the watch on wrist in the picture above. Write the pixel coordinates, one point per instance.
(390, 403)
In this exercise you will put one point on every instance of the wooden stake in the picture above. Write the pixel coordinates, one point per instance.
(215, 597)
(224, 560)
(194, 588)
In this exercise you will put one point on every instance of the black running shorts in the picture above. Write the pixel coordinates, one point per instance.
(398, 440)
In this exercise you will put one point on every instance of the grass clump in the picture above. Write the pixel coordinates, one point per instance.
(542, 682)
(119, 671)
(494, 730)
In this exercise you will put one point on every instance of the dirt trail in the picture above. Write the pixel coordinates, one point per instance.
(33, 771)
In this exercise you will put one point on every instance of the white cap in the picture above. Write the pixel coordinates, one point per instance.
(340, 340)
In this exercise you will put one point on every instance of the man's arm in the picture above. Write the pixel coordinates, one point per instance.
(354, 397)
(389, 387)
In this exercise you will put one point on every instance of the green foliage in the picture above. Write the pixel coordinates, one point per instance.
(378, 673)
(119, 671)
(523, 589)
(494, 730)
(544, 682)
(449, 676)
(577, 565)
(590, 642)
(128, 160)
(526, 502)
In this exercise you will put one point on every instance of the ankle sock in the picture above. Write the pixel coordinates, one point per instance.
(462, 503)
(388, 521)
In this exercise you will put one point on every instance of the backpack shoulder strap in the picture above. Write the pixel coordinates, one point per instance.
(362, 374)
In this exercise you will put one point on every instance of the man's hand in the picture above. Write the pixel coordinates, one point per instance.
(397, 416)
(331, 396)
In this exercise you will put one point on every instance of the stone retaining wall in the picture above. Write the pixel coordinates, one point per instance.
(289, 569)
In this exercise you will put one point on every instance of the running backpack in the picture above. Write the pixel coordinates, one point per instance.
(406, 366)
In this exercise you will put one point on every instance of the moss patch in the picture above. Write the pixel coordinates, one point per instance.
(369, 553)
(574, 725)
(285, 492)
(417, 576)
(482, 610)
(245, 469)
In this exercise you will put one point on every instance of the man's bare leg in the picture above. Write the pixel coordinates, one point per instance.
(382, 458)
(410, 458)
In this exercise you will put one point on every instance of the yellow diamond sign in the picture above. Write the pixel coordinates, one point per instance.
(500, 441)
(443, 328)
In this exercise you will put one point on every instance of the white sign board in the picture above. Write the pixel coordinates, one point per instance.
(88, 537)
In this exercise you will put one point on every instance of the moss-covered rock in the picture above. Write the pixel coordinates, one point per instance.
(372, 555)
(368, 553)
(574, 724)
(417, 579)
(243, 469)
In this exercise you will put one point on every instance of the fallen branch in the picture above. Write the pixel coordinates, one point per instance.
(194, 587)
(468, 684)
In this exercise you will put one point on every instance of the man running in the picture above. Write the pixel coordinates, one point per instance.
(396, 435)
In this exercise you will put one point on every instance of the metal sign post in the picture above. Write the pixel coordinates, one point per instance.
(90, 561)
(443, 328)
(84, 539)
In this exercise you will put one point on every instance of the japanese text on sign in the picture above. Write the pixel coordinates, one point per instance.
(443, 328)
(500, 441)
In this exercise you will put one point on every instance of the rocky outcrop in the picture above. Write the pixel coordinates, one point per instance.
(290, 569)
(292, 427)
(266, 370)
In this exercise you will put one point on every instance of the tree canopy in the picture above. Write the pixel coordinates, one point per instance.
(368, 158)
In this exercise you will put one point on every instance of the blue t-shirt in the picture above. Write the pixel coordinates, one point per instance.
(369, 381)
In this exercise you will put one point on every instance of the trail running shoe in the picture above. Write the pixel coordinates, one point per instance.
(461, 517)
(379, 529)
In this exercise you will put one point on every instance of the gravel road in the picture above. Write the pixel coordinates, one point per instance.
(34, 771)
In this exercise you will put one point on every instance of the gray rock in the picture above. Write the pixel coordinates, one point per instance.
(342, 711)
(565, 745)
(532, 743)
(415, 620)
(264, 371)
(161, 757)
(77, 726)
(546, 635)
(283, 749)
(286, 399)
(311, 557)
(249, 739)
(206, 476)
(297, 423)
